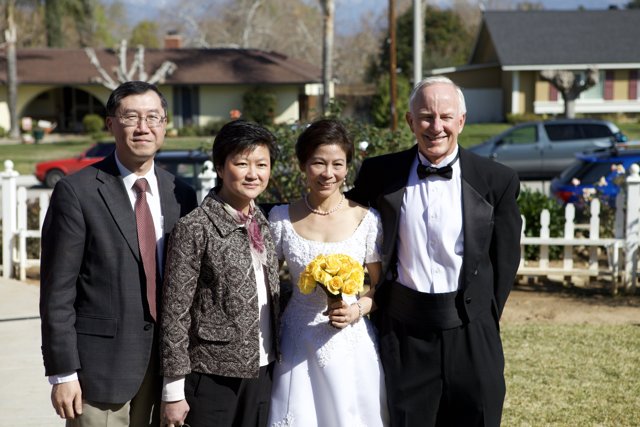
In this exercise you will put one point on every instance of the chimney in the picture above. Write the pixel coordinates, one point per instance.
(172, 40)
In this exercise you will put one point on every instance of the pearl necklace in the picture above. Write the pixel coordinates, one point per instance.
(318, 211)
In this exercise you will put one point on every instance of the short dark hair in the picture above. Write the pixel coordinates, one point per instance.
(238, 136)
(323, 132)
(132, 88)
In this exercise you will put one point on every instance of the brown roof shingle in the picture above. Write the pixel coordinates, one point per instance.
(194, 66)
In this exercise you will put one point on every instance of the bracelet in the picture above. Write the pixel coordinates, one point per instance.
(360, 311)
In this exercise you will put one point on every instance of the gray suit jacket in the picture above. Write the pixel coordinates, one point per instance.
(95, 318)
(491, 224)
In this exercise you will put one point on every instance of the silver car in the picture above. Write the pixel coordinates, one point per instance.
(541, 150)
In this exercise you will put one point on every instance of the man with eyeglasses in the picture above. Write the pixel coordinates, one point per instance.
(101, 266)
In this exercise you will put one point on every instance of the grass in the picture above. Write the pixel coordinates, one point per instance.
(572, 375)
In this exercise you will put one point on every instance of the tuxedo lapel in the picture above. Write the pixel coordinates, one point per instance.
(117, 203)
(390, 201)
(477, 216)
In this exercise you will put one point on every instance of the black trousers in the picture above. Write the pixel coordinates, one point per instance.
(442, 377)
(217, 401)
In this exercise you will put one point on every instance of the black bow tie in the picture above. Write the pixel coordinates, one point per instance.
(446, 171)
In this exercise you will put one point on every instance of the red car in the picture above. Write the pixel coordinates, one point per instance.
(51, 171)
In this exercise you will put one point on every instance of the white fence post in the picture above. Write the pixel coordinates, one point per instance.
(632, 228)
(8, 217)
(207, 180)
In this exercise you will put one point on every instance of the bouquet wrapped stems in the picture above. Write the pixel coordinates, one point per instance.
(331, 298)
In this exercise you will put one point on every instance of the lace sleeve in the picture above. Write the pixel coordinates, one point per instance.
(276, 225)
(374, 237)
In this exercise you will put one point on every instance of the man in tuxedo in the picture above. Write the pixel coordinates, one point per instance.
(450, 254)
(102, 255)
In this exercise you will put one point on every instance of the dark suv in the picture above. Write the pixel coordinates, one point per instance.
(542, 150)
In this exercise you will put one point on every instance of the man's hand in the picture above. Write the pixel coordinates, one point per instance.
(173, 414)
(67, 399)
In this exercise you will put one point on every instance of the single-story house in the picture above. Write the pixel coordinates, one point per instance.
(513, 47)
(59, 85)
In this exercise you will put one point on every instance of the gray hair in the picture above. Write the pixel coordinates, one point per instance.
(435, 80)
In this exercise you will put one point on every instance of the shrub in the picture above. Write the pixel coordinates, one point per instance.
(259, 106)
(380, 106)
(3, 132)
(531, 204)
(93, 124)
(287, 181)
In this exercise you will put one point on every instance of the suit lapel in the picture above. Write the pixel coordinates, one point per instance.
(170, 209)
(117, 202)
(477, 216)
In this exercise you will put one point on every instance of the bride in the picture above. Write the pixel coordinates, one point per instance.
(330, 373)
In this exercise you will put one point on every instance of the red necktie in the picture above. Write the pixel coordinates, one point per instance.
(146, 241)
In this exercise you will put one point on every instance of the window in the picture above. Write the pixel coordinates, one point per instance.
(594, 92)
(523, 135)
(596, 131)
(563, 132)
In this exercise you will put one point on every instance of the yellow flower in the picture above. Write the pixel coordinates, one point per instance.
(334, 285)
(332, 264)
(337, 273)
(306, 283)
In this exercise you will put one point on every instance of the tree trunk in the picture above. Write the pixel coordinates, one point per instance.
(12, 71)
(328, 13)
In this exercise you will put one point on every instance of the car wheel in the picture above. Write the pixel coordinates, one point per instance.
(52, 177)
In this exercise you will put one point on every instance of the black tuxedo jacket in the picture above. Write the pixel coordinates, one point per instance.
(95, 317)
(491, 224)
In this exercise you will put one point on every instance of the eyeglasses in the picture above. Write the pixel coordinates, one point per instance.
(152, 120)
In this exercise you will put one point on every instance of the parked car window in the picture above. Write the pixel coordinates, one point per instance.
(522, 135)
(596, 131)
(100, 150)
(564, 132)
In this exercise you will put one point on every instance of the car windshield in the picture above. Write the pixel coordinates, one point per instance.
(100, 150)
(592, 174)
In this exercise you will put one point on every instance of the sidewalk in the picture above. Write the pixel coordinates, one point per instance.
(24, 393)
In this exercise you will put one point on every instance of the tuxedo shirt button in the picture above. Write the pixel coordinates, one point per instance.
(467, 300)
(147, 326)
(475, 272)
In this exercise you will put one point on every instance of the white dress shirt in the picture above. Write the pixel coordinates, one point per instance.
(430, 235)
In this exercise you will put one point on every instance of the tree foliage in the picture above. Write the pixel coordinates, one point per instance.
(145, 33)
(447, 41)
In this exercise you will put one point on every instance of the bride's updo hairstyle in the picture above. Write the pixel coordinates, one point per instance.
(323, 132)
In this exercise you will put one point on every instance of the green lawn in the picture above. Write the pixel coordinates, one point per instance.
(572, 375)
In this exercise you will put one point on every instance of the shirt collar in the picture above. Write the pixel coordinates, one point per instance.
(443, 163)
(129, 178)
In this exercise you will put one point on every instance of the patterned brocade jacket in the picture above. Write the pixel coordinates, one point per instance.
(210, 303)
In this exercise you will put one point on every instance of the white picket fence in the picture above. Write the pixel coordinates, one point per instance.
(619, 266)
(15, 231)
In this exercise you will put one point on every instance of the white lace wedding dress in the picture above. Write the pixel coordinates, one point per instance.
(327, 377)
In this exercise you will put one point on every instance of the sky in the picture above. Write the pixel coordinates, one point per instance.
(351, 11)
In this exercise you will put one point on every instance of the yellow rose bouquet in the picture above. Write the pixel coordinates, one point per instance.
(336, 274)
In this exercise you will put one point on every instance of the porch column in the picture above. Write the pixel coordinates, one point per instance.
(515, 92)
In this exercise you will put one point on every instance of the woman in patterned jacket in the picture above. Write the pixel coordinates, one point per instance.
(221, 290)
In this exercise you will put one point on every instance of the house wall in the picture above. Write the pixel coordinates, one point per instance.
(621, 84)
(527, 91)
(619, 104)
(215, 102)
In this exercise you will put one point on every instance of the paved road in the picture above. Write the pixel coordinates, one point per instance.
(24, 393)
